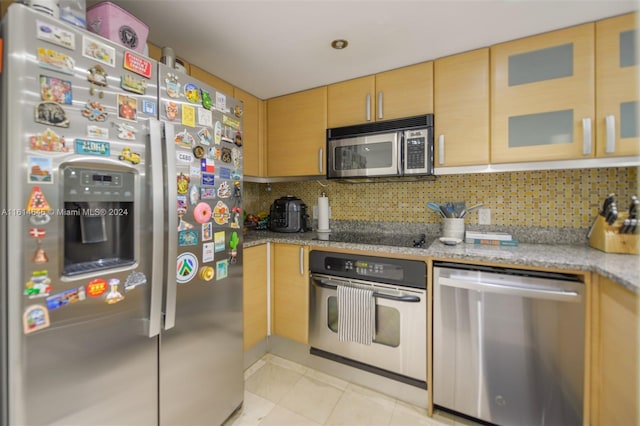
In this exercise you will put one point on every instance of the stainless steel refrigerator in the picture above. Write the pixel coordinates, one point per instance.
(121, 260)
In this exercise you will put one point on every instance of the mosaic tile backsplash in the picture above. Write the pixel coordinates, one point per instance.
(547, 199)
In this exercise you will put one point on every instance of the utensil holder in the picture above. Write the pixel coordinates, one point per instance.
(453, 227)
(608, 238)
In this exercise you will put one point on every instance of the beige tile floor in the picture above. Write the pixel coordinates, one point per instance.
(280, 392)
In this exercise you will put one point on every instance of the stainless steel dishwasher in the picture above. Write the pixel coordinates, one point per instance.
(508, 344)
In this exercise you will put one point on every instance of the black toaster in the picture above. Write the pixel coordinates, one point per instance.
(289, 214)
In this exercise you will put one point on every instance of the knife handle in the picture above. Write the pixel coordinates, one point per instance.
(613, 214)
(611, 198)
(626, 227)
(633, 208)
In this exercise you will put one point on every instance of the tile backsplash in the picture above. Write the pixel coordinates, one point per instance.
(547, 199)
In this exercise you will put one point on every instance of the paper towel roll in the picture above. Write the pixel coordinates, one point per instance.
(323, 213)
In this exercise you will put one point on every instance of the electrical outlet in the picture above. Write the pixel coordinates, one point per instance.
(315, 212)
(484, 216)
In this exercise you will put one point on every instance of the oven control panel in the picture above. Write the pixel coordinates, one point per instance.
(363, 268)
(408, 273)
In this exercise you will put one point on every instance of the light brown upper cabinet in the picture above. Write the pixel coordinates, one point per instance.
(296, 133)
(253, 138)
(617, 86)
(461, 103)
(4, 5)
(542, 97)
(399, 93)
(210, 79)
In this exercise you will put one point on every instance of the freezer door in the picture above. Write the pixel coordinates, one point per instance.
(77, 349)
(201, 354)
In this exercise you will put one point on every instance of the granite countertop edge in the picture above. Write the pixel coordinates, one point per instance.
(621, 268)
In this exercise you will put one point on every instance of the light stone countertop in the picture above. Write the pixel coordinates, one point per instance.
(621, 268)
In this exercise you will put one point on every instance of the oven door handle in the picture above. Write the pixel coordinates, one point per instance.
(327, 284)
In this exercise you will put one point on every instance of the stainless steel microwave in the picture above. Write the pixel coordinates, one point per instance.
(382, 149)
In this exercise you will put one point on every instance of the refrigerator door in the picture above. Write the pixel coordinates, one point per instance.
(201, 355)
(76, 344)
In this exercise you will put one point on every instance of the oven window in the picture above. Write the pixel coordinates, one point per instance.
(387, 322)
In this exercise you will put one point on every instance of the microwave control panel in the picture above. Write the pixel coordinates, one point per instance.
(417, 152)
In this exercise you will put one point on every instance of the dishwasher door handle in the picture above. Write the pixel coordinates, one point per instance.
(406, 298)
(512, 289)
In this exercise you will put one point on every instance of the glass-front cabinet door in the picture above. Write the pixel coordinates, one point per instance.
(542, 97)
(617, 86)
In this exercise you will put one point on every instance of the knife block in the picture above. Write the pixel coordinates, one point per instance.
(607, 237)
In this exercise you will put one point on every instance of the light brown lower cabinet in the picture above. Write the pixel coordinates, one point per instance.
(615, 395)
(291, 292)
(254, 295)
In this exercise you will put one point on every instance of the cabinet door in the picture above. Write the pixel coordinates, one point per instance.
(404, 92)
(254, 295)
(291, 292)
(542, 97)
(210, 79)
(253, 133)
(351, 102)
(617, 86)
(461, 85)
(297, 133)
(155, 52)
(616, 345)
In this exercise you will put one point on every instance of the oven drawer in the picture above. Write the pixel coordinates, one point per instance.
(400, 345)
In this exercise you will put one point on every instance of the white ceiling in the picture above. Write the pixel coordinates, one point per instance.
(270, 48)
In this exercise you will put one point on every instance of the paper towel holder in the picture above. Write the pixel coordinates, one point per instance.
(323, 213)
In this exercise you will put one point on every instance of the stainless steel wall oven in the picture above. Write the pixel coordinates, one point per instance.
(399, 349)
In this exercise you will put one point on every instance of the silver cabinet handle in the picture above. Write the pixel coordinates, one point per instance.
(610, 146)
(441, 149)
(586, 136)
(301, 261)
(172, 220)
(367, 106)
(157, 249)
(320, 168)
(380, 115)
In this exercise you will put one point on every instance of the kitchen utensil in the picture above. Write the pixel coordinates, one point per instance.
(450, 209)
(626, 226)
(612, 213)
(633, 208)
(436, 208)
(470, 209)
(607, 202)
(459, 207)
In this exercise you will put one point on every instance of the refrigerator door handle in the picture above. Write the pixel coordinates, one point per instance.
(157, 250)
(172, 221)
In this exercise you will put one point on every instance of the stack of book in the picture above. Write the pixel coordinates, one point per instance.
(489, 238)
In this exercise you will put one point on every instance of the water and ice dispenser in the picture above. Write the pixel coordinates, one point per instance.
(99, 216)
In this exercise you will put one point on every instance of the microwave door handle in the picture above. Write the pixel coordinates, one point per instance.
(402, 149)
